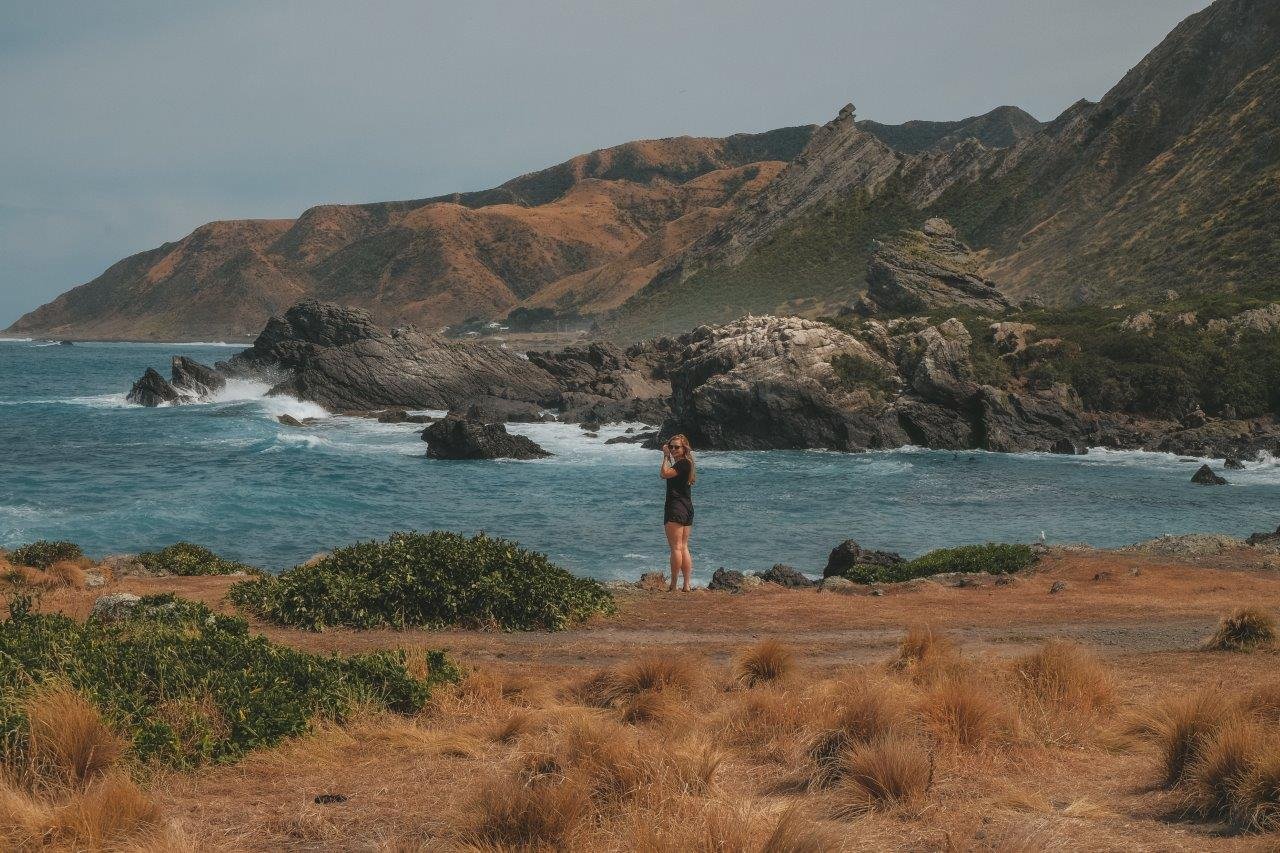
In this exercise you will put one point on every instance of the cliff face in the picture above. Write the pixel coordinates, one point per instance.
(439, 260)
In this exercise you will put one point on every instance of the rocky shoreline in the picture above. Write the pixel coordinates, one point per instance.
(758, 383)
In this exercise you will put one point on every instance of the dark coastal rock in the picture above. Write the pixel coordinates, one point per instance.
(152, 390)
(1264, 539)
(577, 406)
(848, 554)
(194, 378)
(289, 421)
(496, 410)
(731, 580)
(455, 437)
(787, 576)
(1206, 477)
(338, 357)
(1049, 421)
(1233, 463)
(920, 271)
(189, 381)
(634, 438)
(934, 426)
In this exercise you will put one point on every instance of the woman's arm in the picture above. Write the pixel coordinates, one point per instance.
(667, 471)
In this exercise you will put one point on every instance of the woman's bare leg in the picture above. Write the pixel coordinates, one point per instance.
(686, 561)
(676, 543)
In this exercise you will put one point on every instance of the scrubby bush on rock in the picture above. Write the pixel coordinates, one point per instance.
(43, 553)
(992, 558)
(186, 686)
(184, 558)
(432, 580)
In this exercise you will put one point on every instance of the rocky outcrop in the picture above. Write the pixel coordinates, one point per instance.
(769, 383)
(338, 357)
(1205, 476)
(923, 270)
(456, 437)
(786, 576)
(601, 383)
(189, 381)
(846, 556)
(495, 410)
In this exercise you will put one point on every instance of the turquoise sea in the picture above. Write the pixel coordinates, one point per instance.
(79, 463)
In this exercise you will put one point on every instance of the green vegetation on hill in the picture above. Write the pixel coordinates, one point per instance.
(187, 686)
(432, 580)
(819, 260)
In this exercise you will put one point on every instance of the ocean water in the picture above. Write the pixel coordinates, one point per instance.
(79, 463)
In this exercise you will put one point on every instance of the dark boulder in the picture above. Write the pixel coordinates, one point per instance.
(496, 410)
(152, 390)
(848, 554)
(727, 580)
(456, 437)
(634, 438)
(1233, 463)
(192, 377)
(289, 421)
(1270, 539)
(788, 576)
(393, 416)
(1049, 421)
(1206, 477)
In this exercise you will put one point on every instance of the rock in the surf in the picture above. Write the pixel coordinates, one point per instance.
(457, 437)
(338, 357)
(1206, 477)
(152, 390)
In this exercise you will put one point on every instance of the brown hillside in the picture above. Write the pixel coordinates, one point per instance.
(433, 261)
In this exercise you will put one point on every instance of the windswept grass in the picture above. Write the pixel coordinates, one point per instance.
(883, 773)
(1067, 675)
(1244, 630)
(767, 661)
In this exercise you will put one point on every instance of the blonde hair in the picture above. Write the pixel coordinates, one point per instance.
(688, 454)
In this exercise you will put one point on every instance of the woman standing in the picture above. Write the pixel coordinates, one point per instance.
(677, 517)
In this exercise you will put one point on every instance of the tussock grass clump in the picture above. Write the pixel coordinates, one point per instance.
(1255, 802)
(925, 655)
(185, 559)
(649, 673)
(794, 833)
(1221, 763)
(542, 811)
(182, 684)
(44, 553)
(1263, 702)
(67, 742)
(1182, 729)
(1068, 676)
(767, 661)
(1244, 630)
(965, 712)
(431, 580)
(864, 713)
(887, 772)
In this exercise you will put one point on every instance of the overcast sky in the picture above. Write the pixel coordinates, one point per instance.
(127, 124)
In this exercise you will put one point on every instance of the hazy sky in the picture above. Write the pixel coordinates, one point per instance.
(127, 124)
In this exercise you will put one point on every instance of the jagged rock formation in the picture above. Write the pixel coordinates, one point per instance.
(918, 271)
(1000, 128)
(457, 437)
(189, 380)
(341, 359)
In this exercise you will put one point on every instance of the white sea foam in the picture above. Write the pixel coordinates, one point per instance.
(15, 340)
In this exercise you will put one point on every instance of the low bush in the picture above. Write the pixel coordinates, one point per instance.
(432, 580)
(43, 553)
(183, 684)
(992, 558)
(1244, 630)
(184, 558)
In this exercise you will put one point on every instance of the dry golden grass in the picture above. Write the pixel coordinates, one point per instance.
(925, 655)
(890, 771)
(1067, 675)
(965, 712)
(1214, 775)
(1182, 727)
(111, 810)
(865, 711)
(1244, 630)
(1255, 801)
(68, 743)
(540, 810)
(765, 662)
(1263, 702)
(650, 672)
(794, 833)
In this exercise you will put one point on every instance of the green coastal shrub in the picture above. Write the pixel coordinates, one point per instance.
(42, 554)
(432, 580)
(184, 558)
(992, 558)
(188, 686)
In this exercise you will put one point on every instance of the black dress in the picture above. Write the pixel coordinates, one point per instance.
(679, 507)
